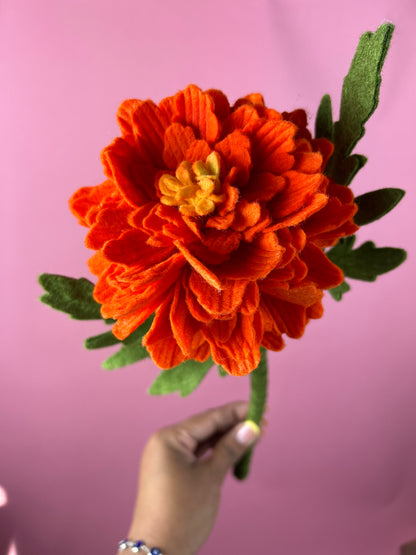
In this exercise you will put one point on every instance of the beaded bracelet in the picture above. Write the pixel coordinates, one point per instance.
(137, 546)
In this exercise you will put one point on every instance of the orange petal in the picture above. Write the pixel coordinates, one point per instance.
(315, 311)
(314, 203)
(247, 214)
(330, 217)
(245, 118)
(88, 197)
(308, 162)
(178, 139)
(273, 144)
(131, 249)
(221, 104)
(240, 355)
(289, 318)
(320, 269)
(218, 303)
(220, 241)
(134, 179)
(299, 188)
(149, 126)
(252, 260)
(125, 116)
(264, 186)
(251, 299)
(198, 150)
(186, 330)
(195, 108)
(111, 222)
(200, 268)
(235, 150)
(97, 264)
(303, 295)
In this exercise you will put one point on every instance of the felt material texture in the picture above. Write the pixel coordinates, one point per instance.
(374, 205)
(257, 405)
(183, 379)
(367, 261)
(70, 295)
(324, 126)
(131, 350)
(252, 266)
(360, 94)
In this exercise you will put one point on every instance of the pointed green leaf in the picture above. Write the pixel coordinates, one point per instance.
(337, 292)
(221, 372)
(367, 262)
(70, 295)
(128, 354)
(131, 350)
(106, 339)
(323, 123)
(359, 99)
(183, 378)
(376, 204)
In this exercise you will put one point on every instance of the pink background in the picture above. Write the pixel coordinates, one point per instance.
(336, 471)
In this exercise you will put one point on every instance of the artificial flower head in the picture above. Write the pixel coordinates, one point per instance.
(214, 218)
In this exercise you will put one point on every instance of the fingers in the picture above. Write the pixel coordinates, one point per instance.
(202, 427)
(232, 446)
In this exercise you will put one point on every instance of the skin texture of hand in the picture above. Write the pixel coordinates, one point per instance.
(179, 487)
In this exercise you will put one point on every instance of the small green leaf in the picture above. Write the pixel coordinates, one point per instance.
(131, 350)
(221, 372)
(367, 262)
(376, 204)
(70, 295)
(337, 292)
(183, 378)
(106, 339)
(323, 123)
(359, 99)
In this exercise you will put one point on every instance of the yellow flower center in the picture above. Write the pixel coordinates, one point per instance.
(195, 188)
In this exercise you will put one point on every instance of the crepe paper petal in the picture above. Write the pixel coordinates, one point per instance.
(257, 405)
(221, 372)
(184, 378)
(338, 292)
(131, 350)
(107, 339)
(368, 261)
(374, 205)
(324, 126)
(359, 99)
(70, 295)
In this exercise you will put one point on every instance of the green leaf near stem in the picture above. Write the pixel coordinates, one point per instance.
(338, 292)
(131, 350)
(324, 127)
(374, 205)
(368, 261)
(184, 378)
(70, 295)
(359, 99)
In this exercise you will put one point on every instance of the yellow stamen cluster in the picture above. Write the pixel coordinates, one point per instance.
(195, 188)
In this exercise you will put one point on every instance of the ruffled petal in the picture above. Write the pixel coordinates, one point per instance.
(178, 139)
(195, 108)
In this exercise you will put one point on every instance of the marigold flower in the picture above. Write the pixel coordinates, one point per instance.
(214, 218)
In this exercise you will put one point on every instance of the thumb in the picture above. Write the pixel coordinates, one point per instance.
(232, 446)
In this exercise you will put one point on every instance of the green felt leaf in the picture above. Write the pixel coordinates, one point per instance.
(106, 339)
(184, 378)
(131, 350)
(376, 204)
(222, 373)
(70, 295)
(337, 292)
(323, 123)
(359, 99)
(367, 262)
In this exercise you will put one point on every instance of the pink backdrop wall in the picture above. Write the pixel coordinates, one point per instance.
(336, 471)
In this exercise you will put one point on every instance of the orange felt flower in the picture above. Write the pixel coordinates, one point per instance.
(214, 218)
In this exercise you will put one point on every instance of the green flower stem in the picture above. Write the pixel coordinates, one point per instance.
(258, 395)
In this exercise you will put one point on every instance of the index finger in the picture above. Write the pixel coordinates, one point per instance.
(214, 421)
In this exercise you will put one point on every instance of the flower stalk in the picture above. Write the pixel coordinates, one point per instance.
(257, 405)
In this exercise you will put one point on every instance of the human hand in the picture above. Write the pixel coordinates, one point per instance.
(179, 489)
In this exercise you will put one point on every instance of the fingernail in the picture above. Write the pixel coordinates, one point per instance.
(248, 433)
